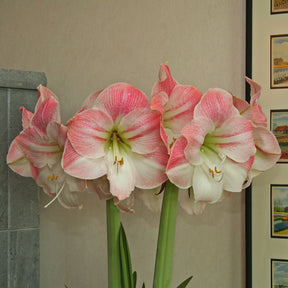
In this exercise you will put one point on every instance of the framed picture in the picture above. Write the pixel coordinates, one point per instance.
(279, 6)
(279, 127)
(279, 61)
(279, 211)
(279, 273)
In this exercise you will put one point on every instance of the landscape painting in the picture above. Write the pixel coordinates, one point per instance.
(279, 6)
(279, 61)
(279, 127)
(279, 273)
(279, 211)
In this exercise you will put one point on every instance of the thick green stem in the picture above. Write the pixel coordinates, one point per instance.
(113, 228)
(166, 238)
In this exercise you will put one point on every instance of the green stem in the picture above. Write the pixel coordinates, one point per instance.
(113, 228)
(166, 238)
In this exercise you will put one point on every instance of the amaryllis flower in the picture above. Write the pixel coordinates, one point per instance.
(118, 137)
(268, 150)
(37, 151)
(175, 102)
(215, 151)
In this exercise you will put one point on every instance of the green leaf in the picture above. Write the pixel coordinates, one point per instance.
(134, 279)
(125, 259)
(185, 283)
(143, 286)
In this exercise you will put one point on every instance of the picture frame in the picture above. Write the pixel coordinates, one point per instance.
(279, 61)
(279, 210)
(279, 6)
(279, 127)
(279, 273)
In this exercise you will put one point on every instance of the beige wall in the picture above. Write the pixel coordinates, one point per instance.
(83, 46)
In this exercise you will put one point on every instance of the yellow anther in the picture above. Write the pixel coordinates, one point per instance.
(212, 173)
(217, 170)
(172, 143)
(53, 176)
(48, 178)
(56, 178)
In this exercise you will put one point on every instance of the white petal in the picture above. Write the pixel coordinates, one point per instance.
(205, 187)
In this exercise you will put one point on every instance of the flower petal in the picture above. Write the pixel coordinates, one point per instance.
(82, 167)
(205, 188)
(217, 105)
(121, 177)
(166, 82)
(88, 132)
(119, 99)
(37, 147)
(141, 129)
(18, 161)
(26, 117)
(180, 108)
(150, 168)
(179, 171)
(188, 203)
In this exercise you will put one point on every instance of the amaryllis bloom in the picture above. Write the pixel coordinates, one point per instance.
(118, 137)
(37, 151)
(268, 150)
(176, 104)
(216, 150)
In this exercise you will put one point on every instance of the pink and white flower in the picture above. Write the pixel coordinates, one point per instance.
(37, 151)
(268, 150)
(175, 103)
(215, 151)
(118, 137)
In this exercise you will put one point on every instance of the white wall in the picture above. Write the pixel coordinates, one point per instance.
(83, 46)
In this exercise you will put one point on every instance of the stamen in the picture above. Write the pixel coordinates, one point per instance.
(57, 195)
(216, 174)
(172, 143)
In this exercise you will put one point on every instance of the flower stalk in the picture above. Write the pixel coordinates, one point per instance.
(113, 229)
(166, 238)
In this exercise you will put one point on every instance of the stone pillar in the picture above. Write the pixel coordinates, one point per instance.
(19, 208)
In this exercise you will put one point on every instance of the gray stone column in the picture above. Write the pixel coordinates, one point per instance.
(19, 211)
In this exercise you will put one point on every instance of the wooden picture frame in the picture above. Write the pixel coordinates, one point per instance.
(279, 6)
(279, 61)
(279, 210)
(279, 127)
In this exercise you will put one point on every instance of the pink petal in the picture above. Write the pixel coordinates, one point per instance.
(57, 132)
(45, 113)
(217, 105)
(82, 167)
(195, 134)
(179, 171)
(180, 107)
(38, 148)
(234, 139)
(240, 104)
(90, 101)
(26, 117)
(150, 168)
(268, 150)
(166, 82)
(120, 99)
(89, 131)
(141, 129)
(157, 103)
(17, 160)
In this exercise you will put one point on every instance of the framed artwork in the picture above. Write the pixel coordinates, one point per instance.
(279, 6)
(279, 273)
(279, 61)
(279, 127)
(279, 211)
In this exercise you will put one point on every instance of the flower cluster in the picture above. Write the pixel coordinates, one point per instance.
(208, 145)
